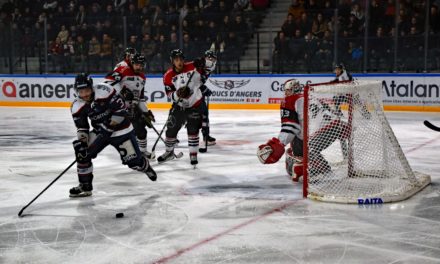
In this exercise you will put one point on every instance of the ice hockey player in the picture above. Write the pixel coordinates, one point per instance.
(291, 132)
(130, 82)
(210, 62)
(182, 85)
(106, 111)
(342, 74)
(126, 57)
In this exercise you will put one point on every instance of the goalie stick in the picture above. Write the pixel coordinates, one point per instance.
(431, 126)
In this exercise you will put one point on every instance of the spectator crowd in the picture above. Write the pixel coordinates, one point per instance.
(85, 35)
(307, 39)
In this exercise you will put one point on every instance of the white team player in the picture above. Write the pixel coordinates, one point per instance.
(342, 74)
(130, 82)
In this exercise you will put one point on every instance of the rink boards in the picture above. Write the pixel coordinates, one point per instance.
(400, 92)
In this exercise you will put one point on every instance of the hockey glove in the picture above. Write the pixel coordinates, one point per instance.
(148, 118)
(127, 94)
(81, 151)
(199, 63)
(205, 90)
(183, 92)
(270, 152)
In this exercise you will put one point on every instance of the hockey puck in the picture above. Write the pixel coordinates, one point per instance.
(119, 215)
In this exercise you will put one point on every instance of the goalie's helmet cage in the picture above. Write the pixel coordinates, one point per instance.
(351, 154)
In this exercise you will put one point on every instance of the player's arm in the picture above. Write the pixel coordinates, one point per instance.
(146, 114)
(79, 116)
(170, 89)
(291, 121)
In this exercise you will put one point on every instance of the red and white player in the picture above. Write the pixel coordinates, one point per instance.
(182, 85)
(292, 115)
(129, 81)
(291, 132)
(127, 57)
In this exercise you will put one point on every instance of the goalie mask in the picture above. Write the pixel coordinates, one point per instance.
(292, 87)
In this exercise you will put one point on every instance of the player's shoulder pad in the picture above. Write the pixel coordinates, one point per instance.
(77, 105)
(168, 76)
(188, 66)
(289, 101)
(103, 91)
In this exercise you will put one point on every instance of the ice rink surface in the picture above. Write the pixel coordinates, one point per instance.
(231, 209)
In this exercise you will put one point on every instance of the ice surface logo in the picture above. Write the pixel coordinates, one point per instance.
(229, 84)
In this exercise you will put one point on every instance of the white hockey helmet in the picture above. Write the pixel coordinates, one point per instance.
(293, 85)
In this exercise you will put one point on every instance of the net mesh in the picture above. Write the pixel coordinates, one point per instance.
(353, 154)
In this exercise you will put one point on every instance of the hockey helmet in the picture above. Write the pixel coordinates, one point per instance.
(176, 53)
(82, 81)
(130, 51)
(210, 54)
(293, 85)
(339, 66)
(210, 60)
(137, 58)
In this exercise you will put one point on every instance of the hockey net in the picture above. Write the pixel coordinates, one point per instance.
(351, 154)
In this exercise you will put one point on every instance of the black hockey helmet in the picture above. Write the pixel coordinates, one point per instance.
(130, 51)
(339, 66)
(137, 58)
(82, 81)
(176, 53)
(210, 54)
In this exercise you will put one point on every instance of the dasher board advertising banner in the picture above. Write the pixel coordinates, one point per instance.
(418, 92)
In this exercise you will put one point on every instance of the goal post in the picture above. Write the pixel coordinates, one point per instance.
(351, 154)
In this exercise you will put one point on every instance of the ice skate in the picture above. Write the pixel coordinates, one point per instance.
(193, 158)
(168, 155)
(150, 173)
(211, 140)
(82, 190)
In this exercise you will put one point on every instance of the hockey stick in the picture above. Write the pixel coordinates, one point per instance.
(59, 176)
(204, 150)
(165, 125)
(153, 155)
(431, 126)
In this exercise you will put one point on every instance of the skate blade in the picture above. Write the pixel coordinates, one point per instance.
(83, 194)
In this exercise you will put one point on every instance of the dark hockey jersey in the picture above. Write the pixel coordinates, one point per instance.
(106, 109)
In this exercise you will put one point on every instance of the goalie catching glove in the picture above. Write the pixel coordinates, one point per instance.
(270, 152)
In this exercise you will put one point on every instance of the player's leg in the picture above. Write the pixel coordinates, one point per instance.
(205, 124)
(85, 152)
(131, 155)
(175, 121)
(194, 122)
(141, 134)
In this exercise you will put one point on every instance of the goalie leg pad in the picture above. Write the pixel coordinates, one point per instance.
(270, 152)
(294, 165)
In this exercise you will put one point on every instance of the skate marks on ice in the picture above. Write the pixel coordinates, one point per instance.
(219, 207)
